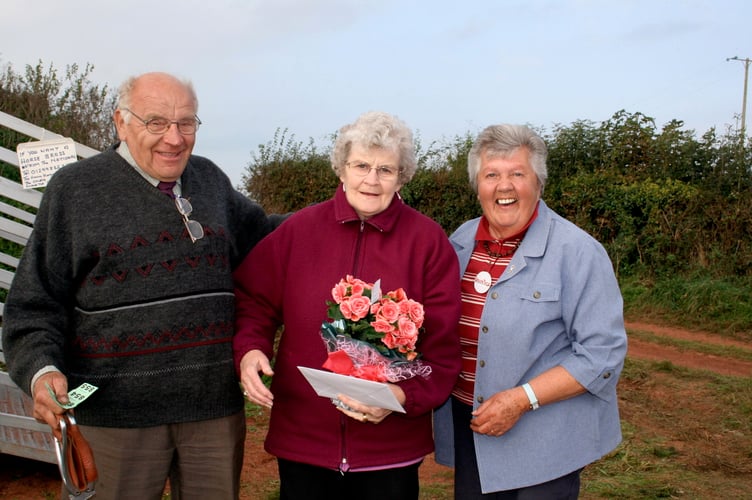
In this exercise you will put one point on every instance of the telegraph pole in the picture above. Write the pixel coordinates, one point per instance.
(746, 62)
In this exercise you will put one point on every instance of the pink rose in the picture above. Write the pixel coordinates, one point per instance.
(416, 313)
(350, 308)
(357, 287)
(408, 332)
(344, 308)
(357, 307)
(398, 295)
(389, 311)
(339, 292)
(382, 326)
(389, 339)
(404, 307)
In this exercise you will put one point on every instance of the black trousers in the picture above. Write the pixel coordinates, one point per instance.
(300, 481)
(467, 480)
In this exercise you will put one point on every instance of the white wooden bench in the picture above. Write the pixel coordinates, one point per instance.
(20, 433)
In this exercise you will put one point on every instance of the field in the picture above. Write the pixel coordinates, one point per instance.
(686, 404)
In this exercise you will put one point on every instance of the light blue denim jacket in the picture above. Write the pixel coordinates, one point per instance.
(557, 303)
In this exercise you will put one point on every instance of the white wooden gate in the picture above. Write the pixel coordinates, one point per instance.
(20, 434)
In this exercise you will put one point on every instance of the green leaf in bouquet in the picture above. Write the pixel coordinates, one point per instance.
(333, 311)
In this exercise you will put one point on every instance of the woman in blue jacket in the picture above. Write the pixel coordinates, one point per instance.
(542, 334)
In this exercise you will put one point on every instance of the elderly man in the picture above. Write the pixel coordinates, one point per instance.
(126, 284)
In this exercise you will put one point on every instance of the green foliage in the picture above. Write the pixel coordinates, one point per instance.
(643, 224)
(440, 187)
(663, 202)
(69, 105)
(442, 194)
(287, 175)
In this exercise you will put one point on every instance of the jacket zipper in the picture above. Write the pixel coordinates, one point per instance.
(344, 466)
(357, 248)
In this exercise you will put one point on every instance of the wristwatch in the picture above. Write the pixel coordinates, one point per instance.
(534, 405)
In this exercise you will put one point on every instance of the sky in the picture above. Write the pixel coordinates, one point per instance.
(445, 67)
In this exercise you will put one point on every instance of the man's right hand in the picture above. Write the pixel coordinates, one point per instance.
(46, 409)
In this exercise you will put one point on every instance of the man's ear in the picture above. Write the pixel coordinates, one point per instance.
(119, 120)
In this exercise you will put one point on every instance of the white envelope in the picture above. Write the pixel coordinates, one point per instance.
(329, 385)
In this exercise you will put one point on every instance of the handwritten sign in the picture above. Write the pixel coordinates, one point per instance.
(40, 159)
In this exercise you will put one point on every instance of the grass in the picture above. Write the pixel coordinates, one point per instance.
(687, 434)
(719, 305)
(689, 345)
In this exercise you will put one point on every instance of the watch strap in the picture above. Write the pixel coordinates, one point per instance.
(534, 405)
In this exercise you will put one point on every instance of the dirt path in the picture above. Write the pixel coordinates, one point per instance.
(642, 349)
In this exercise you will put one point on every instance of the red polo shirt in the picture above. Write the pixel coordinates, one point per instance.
(492, 256)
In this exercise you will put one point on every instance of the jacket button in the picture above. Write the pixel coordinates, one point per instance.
(480, 399)
(484, 329)
(536, 295)
(482, 363)
(494, 295)
(607, 375)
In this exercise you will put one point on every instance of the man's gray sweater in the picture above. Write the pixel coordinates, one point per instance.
(112, 291)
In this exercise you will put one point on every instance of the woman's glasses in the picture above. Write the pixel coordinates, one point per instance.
(383, 172)
(195, 230)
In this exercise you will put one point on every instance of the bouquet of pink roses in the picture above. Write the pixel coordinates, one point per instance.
(373, 336)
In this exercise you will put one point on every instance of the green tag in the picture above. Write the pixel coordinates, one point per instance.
(76, 396)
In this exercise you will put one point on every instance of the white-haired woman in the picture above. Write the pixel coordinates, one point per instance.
(365, 230)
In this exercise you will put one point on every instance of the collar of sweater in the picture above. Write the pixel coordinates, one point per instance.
(383, 221)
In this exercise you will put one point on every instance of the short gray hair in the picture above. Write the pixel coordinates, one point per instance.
(376, 129)
(503, 140)
(125, 91)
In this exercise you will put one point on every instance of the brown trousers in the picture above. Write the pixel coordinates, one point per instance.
(200, 459)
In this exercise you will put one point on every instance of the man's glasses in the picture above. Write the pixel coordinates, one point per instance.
(383, 172)
(195, 231)
(159, 125)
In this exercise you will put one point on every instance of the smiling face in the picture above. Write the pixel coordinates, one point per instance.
(369, 195)
(162, 156)
(508, 191)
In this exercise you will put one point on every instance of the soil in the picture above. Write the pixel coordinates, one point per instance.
(687, 358)
(22, 479)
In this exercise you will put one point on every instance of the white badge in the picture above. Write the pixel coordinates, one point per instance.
(482, 282)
